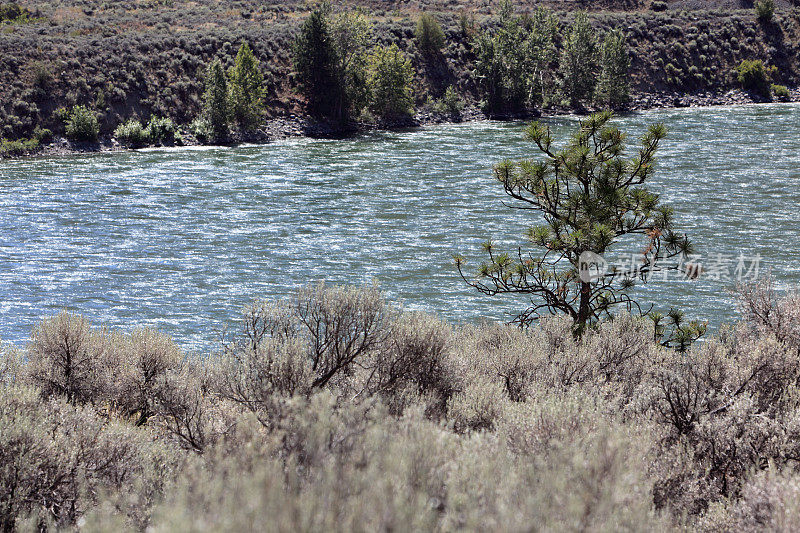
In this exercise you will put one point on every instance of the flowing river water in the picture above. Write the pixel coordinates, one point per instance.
(181, 239)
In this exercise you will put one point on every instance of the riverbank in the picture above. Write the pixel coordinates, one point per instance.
(132, 61)
(295, 125)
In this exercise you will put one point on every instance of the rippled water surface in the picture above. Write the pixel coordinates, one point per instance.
(182, 239)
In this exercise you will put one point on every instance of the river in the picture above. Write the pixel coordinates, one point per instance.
(180, 239)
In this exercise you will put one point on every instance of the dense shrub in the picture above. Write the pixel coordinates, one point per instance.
(11, 12)
(19, 147)
(450, 103)
(65, 359)
(81, 124)
(389, 81)
(161, 130)
(754, 76)
(132, 133)
(58, 460)
(333, 411)
(765, 10)
(779, 91)
(428, 34)
(201, 129)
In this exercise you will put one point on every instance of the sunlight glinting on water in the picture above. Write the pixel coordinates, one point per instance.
(181, 239)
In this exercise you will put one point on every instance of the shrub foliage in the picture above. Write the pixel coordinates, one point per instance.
(334, 410)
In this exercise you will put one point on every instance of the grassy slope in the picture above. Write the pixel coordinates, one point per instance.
(148, 56)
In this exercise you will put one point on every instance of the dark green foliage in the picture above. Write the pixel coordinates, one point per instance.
(590, 197)
(613, 89)
(315, 61)
(42, 75)
(658, 6)
(755, 77)
(429, 35)
(512, 64)
(389, 81)
(672, 331)
(579, 61)
(161, 130)
(12, 12)
(132, 133)
(18, 147)
(246, 89)
(216, 106)
(765, 10)
(779, 91)
(450, 103)
(81, 124)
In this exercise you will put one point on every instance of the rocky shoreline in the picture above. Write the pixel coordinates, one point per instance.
(294, 126)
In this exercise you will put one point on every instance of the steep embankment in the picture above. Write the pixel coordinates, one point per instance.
(148, 57)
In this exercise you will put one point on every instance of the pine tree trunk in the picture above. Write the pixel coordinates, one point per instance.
(583, 309)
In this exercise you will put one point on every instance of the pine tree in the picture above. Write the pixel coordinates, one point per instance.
(216, 106)
(579, 61)
(315, 61)
(589, 197)
(246, 89)
(613, 87)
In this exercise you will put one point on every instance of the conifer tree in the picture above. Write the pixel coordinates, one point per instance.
(589, 197)
(315, 62)
(579, 61)
(330, 58)
(216, 106)
(246, 89)
(613, 87)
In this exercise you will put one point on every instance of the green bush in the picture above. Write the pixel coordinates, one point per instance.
(513, 64)
(780, 91)
(132, 133)
(658, 6)
(429, 35)
(43, 135)
(18, 147)
(201, 129)
(12, 12)
(754, 76)
(81, 124)
(389, 81)
(449, 104)
(161, 130)
(765, 10)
